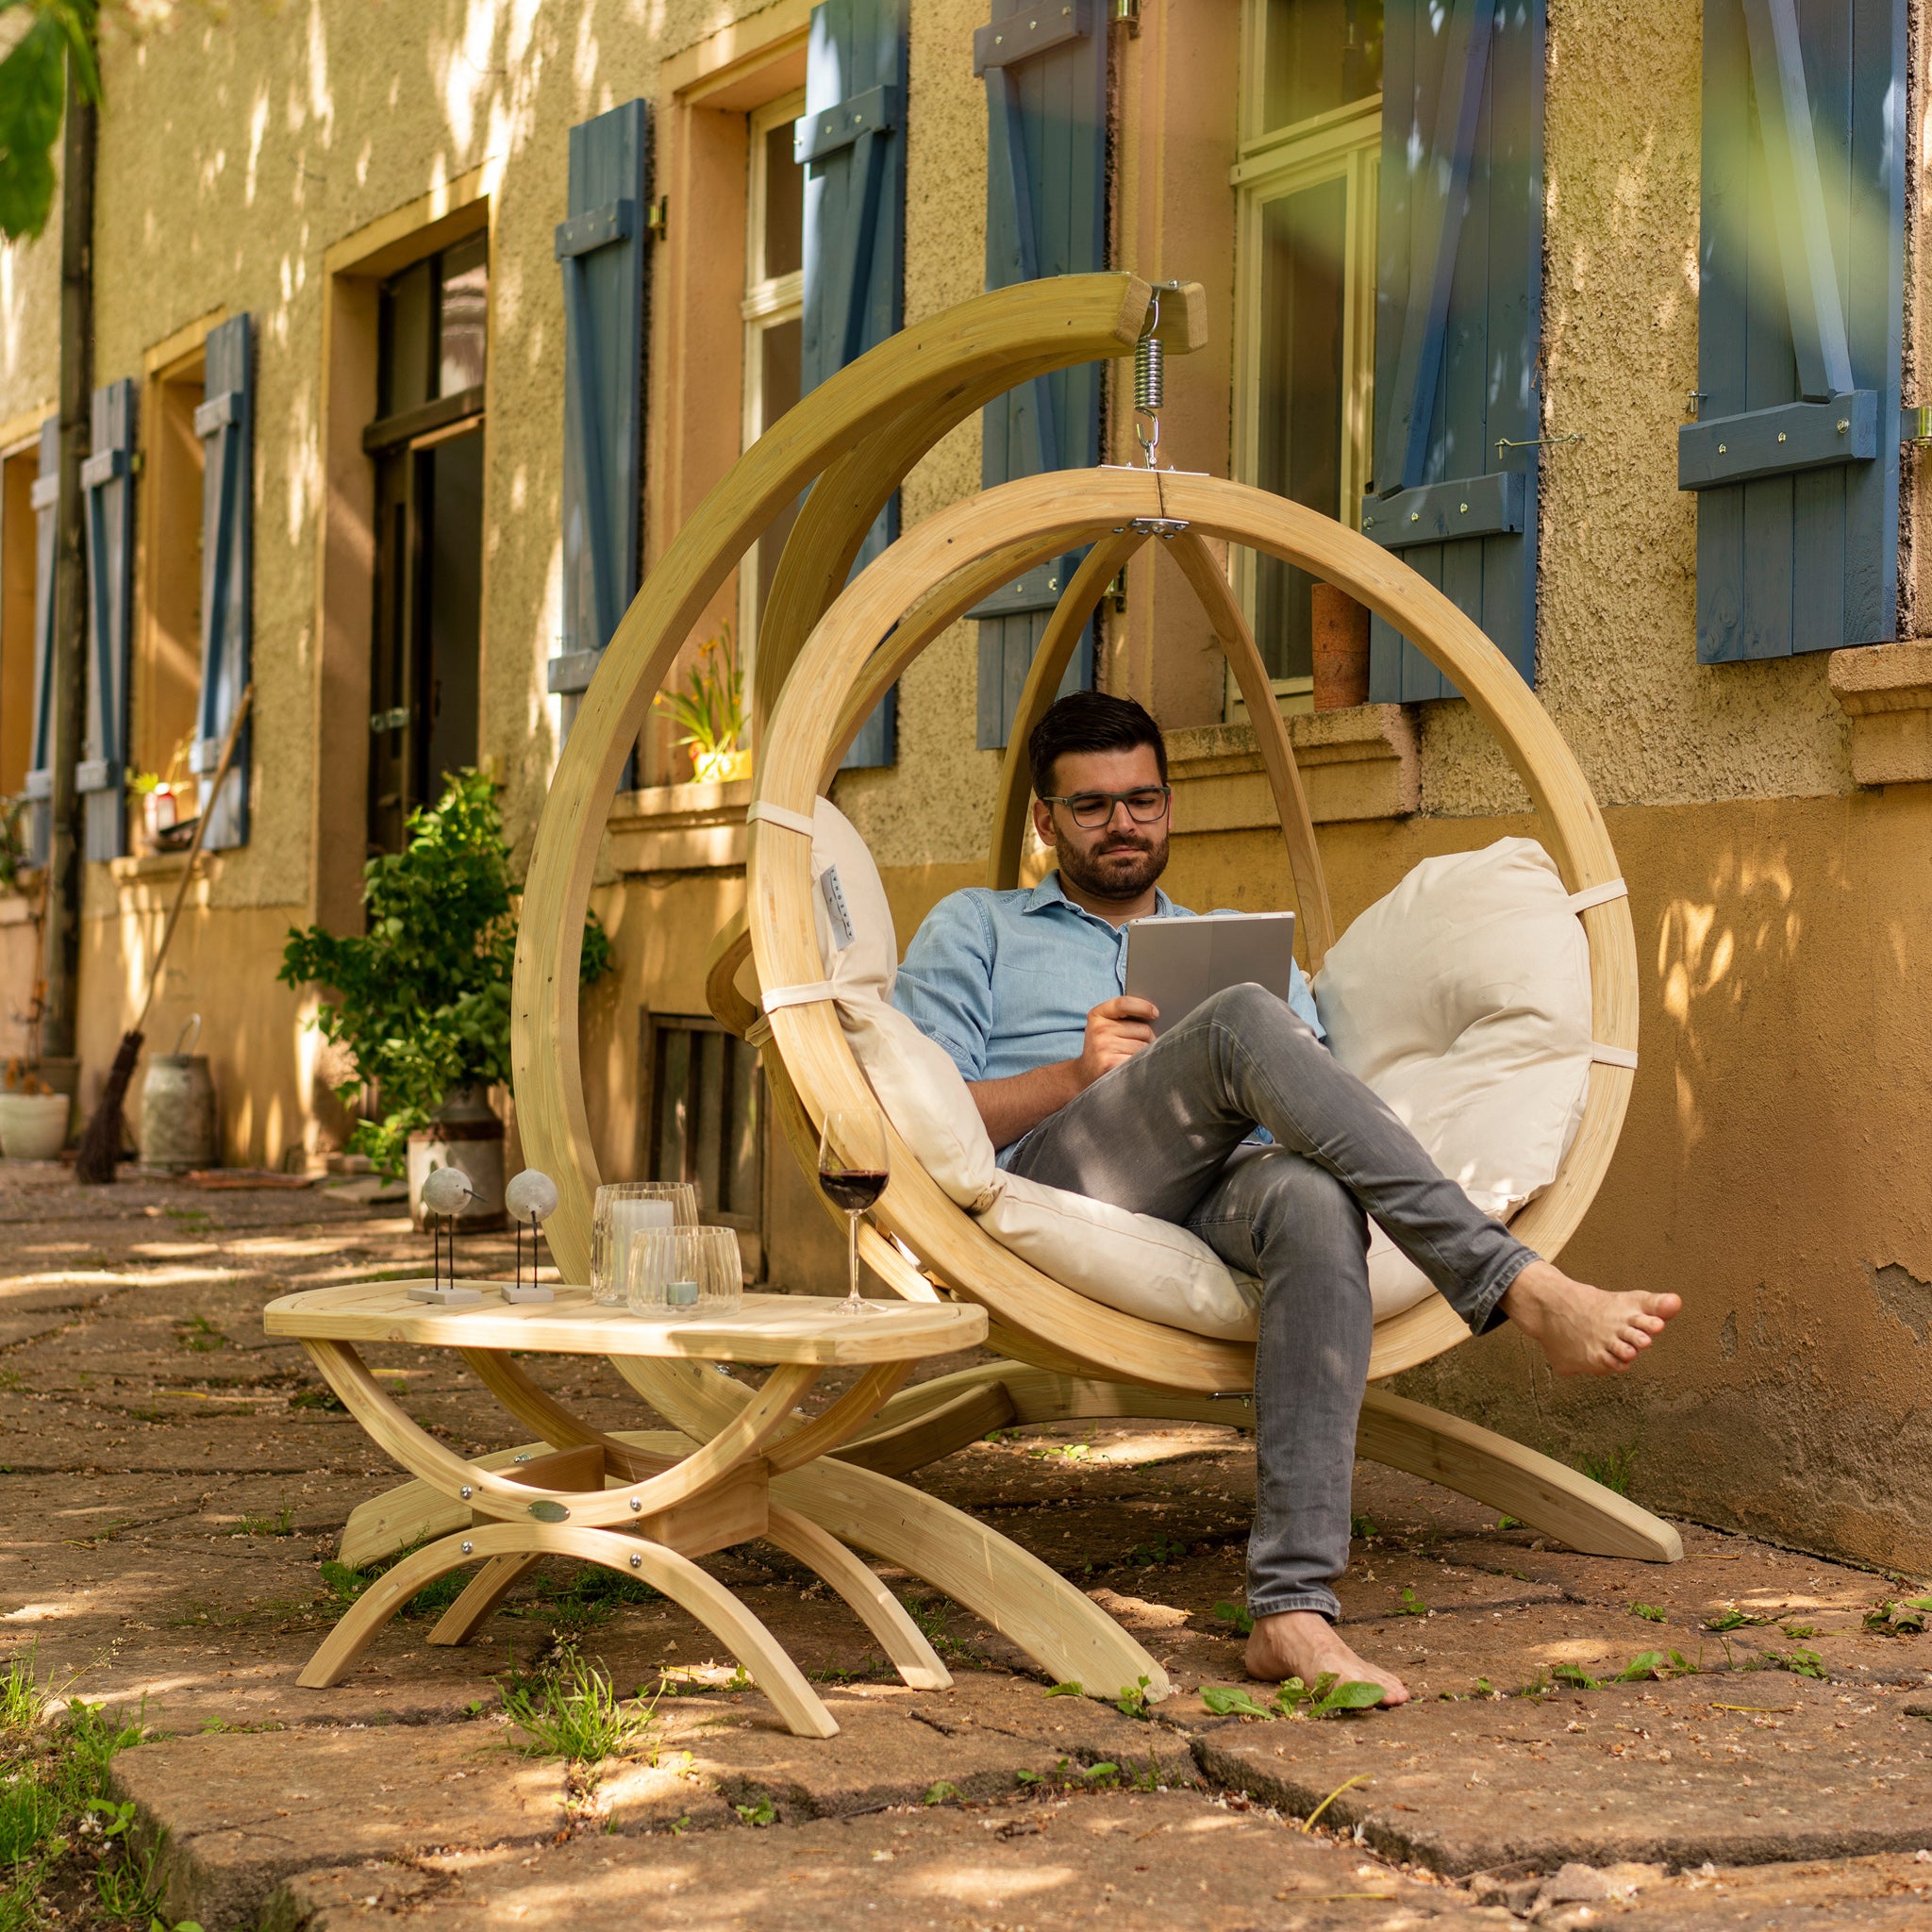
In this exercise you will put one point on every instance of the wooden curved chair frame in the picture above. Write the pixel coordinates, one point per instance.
(860, 434)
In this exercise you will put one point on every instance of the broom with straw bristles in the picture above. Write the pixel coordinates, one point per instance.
(100, 1145)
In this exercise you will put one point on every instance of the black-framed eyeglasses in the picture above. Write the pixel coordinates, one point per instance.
(1146, 805)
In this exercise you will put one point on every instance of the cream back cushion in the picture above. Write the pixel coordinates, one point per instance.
(1462, 999)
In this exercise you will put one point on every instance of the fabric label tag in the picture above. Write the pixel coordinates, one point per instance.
(836, 910)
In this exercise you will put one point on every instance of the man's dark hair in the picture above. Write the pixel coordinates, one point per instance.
(1090, 721)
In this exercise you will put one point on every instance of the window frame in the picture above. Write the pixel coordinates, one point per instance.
(1341, 143)
(768, 302)
(750, 1224)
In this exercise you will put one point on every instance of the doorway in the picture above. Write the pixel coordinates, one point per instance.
(427, 640)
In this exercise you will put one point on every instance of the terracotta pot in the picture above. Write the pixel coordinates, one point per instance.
(33, 1126)
(1341, 649)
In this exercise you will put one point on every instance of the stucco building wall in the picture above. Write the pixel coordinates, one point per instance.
(1769, 1168)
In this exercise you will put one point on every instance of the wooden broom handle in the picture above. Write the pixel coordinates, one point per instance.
(214, 792)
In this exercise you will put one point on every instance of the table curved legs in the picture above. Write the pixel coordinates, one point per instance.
(883, 1614)
(676, 1576)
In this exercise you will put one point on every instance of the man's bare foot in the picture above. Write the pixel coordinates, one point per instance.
(1300, 1643)
(1584, 1330)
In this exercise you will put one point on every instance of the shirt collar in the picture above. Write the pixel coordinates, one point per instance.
(1048, 893)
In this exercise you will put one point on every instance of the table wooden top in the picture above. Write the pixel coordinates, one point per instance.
(770, 1328)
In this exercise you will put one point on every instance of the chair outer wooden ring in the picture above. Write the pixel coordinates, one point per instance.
(1033, 1317)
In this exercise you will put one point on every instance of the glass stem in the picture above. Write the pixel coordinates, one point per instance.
(851, 1252)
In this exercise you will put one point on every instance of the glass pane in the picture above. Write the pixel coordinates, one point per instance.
(784, 206)
(709, 1048)
(1318, 55)
(404, 340)
(674, 1084)
(464, 308)
(1299, 444)
(738, 1180)
(779, 349)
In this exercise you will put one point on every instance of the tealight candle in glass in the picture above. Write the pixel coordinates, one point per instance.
(665, 1273)
(624, 1209)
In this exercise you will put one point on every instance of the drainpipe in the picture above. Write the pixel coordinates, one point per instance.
(60, 939)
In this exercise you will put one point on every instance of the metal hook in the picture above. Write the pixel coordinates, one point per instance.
(1150, 381)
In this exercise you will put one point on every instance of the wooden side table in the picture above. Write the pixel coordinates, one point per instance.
(636, 1509)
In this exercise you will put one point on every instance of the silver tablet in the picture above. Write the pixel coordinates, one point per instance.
(1179, 962)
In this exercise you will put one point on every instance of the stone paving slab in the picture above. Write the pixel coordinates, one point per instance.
(983, 1738)
(1659, 1772)
(234, 1815)
(1156, 1862)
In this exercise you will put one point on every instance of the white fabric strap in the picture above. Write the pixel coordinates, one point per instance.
(1613, 1056)
(1598, 895)
(778, 815)
(775, 996)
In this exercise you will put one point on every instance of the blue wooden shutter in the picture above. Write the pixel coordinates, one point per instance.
(1045, 69)
(1800, 308)
(851, 143)
(40, 778)
(107, 482)
(1458, 320)
(601, 251)
(226, 424)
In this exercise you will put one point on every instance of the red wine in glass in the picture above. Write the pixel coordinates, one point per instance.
(852, 1171)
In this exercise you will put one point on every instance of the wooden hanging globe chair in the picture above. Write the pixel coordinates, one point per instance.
(826, 654)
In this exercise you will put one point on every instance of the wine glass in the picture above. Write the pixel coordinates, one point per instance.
(852, 1171)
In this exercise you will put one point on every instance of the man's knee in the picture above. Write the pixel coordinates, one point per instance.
(1305, 1204)
(1252, 1011)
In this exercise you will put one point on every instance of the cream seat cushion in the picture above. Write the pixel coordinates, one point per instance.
(1151, 1268)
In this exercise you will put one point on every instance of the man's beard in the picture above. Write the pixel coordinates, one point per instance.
(1123, 867)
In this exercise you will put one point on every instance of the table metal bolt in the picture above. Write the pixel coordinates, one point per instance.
(637, 1562)
(464, 1493)
(635, 1506)
(468, 1549)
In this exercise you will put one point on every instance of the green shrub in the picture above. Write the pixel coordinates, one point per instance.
(422, 999)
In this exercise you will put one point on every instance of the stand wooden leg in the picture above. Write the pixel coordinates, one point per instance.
(1488, 1468)
(1066, 1634)
(487, 1589)
(676, 1576)
(885, 1616)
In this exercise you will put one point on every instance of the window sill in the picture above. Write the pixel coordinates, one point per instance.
(679, 828)
(1886, 691)
(1360, 763)
(157, 865)
(16, 909)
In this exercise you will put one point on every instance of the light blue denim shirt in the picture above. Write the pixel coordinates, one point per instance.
(1003, 981)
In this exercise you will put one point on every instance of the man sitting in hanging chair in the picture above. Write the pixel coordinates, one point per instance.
(1024, 989)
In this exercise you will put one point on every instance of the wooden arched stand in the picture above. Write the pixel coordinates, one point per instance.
(858, 434)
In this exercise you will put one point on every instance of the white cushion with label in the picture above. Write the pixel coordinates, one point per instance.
(1463, 999)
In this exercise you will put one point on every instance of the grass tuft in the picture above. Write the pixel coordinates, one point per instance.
(570, 1710)
(1611, 1468)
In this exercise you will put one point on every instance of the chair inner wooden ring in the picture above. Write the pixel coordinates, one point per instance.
(861, 645)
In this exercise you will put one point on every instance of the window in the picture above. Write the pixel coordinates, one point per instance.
(167, 668)
(1311, 131)
(773, 309)
(425, 667)
(19, 472)
(705, 1122)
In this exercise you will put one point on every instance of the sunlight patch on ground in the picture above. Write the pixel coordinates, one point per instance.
(982, 1885)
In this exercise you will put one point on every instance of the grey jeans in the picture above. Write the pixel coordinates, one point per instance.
(1164, 1134)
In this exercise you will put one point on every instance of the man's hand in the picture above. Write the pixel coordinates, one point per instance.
(1117, 1029)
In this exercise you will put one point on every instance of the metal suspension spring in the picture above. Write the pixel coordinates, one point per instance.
(1150, 374)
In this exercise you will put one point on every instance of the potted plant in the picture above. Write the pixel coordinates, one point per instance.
(33, 1117)
(422, 998)
(169, 802)
(710, 709)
